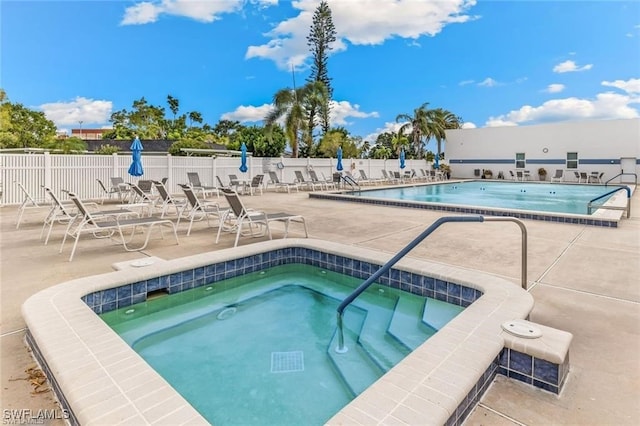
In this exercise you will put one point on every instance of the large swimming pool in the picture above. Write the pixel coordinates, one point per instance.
(551, 197)
(552, 202)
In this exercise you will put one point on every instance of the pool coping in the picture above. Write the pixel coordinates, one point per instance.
(105, 381)
(601, 217)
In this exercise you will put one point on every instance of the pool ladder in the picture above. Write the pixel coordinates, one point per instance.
(402, 253)
(627, 208)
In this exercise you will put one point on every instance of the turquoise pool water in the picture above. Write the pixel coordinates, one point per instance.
(260, 349)
(543, 197)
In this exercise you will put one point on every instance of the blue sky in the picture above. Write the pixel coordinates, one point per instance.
(492, 63)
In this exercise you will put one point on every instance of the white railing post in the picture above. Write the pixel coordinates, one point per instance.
(114, 164)
(170, 170)
(47, 169)
(214, 181)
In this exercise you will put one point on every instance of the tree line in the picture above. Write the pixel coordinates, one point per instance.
(300, 118)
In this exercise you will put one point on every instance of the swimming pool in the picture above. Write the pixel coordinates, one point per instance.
(245, 370)
(100, 379)
(554, 202)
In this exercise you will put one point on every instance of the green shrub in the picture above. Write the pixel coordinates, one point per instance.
(107, 149)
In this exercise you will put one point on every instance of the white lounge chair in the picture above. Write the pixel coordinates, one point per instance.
(273, 176)
(108, 226)
(194, 182)
(559, 176)
(199, 210)
(258, 221)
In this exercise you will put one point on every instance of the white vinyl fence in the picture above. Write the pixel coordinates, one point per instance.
(78, 173)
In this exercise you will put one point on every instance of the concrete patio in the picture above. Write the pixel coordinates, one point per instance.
(584, 280)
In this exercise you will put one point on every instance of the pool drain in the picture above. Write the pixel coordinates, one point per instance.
(226, 313)
(287, 362)
(522, 328)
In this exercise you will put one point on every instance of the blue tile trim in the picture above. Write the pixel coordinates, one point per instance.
(483, 161)
(547, 217)
(599, 161)
(474, 395)
(534, 371)
(546, 161)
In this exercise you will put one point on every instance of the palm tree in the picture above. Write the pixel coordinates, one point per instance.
(287, 103)
(398, 142)
(419, 122)
(443, 120)
(291, 104)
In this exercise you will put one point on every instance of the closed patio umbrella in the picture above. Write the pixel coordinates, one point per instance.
(339, 155)
(243, 158)
(136, 156)
(402, 165)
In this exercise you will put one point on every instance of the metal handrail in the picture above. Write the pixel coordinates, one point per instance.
(385, 268)
(351, 181)
(628, 208)
(622, 174)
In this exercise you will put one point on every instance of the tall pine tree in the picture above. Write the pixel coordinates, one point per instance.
(319, 40)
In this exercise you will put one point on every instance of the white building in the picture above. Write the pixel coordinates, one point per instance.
(609, 146)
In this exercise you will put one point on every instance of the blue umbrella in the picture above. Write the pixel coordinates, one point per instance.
(243, 158)
(402, 165)
(136, 155)
(339, 155)
(436, 164)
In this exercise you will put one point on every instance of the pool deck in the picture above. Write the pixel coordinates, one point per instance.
(584, 280)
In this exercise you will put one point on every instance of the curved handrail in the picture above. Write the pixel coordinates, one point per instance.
(351, 181)
(611, 192)
(622, 174)
(385, 268)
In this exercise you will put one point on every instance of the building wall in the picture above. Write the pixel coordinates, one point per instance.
(601, 145)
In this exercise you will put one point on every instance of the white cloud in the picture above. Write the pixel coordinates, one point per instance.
(248, 114)
(89, 111)
(465, 82)
(606, 105)
(555, 88)
(377, 21)
(631, 86)
(488, 82)
(468, 125)
(340, 111)
(389, 127)
(570, 66)
(202, 11)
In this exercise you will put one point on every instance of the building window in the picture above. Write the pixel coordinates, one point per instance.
(520, 160)
(572, 160)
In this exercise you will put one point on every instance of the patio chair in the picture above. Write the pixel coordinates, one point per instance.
(236, 183)
(559, 176)
(168, 200)
(107, 193)
(194, 182)
(257, 221)
(513, 176)
(142, 200)
(307, 183)
(108, 226)
(519, 175)
(526, 175)
(365, 178)
(596, 177)
(273, 176)
(63, 213)
(199, 210)
(29, 202)
(120, 187)
(256, 184)
(578, 177)
(323, 183)
(584, 177)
